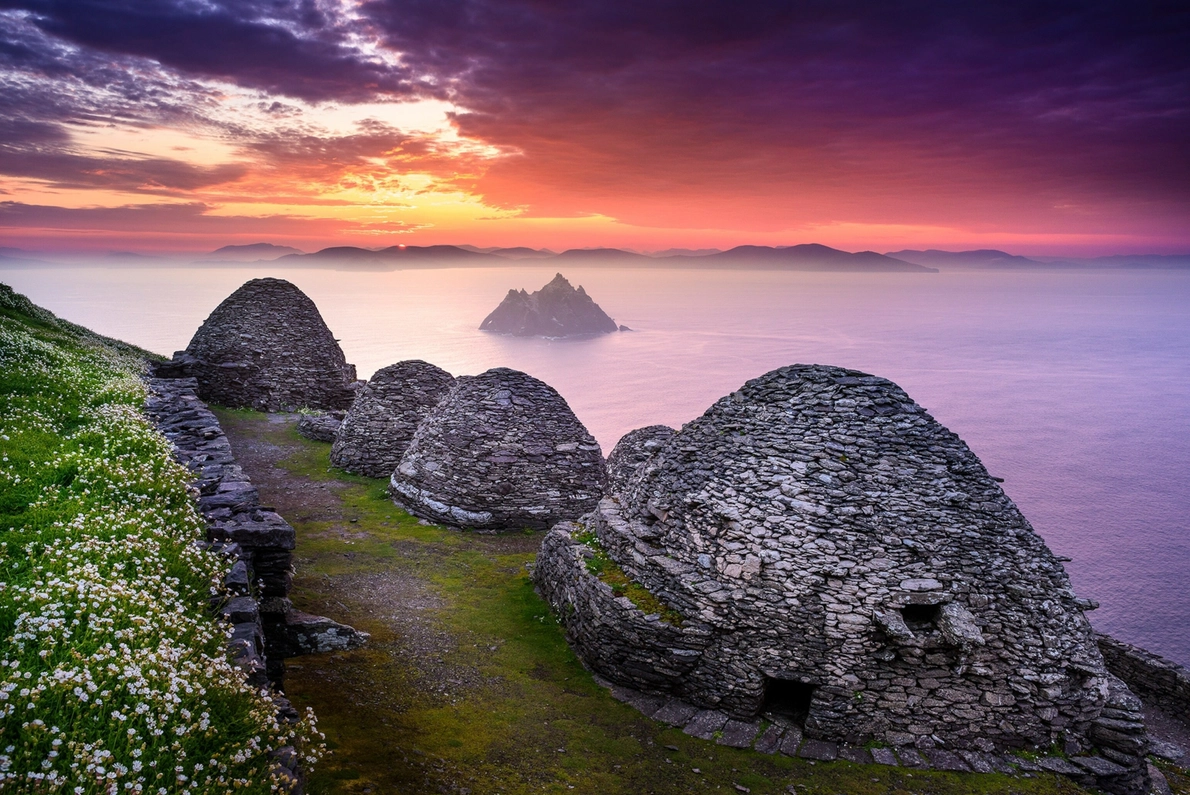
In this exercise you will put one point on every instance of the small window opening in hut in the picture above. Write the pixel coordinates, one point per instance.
(921, 618)
(788, 699)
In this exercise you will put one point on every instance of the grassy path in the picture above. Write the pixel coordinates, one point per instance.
(468, 685)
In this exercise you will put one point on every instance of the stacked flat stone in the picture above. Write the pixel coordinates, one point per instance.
(266, 347)
(321, 426)
(633, 449)
(502, 451)
(832, 550)
(266, 628)
(378, 429)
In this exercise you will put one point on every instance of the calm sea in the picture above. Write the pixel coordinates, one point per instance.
(1074, 387)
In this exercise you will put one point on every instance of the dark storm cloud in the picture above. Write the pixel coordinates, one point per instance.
(288, 48)
(1087, 97)
(649, 110)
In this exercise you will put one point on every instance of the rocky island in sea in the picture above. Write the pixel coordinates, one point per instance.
(556, 310)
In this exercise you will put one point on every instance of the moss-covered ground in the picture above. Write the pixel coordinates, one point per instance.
(468, 685)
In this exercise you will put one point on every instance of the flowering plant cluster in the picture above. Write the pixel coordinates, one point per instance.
(114, 677)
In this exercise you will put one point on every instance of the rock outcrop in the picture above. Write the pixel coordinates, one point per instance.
(821, 551)
(383, 419)
(556, 310)
(266, 347)
(502, 451)
(633, 449)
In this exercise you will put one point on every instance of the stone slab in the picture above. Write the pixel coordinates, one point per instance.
(856, 754)
(911, 758)
(979, 762)
(884, 756)
(791, 741)
(738, 733)
(705, 723)
(647, 704)
(1099, 766)
(770, 741)
(1056, 764)
(946, 760)
(821, 750)
(675, 712)
(1167, 751)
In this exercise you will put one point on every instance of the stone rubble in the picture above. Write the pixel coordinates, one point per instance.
(502, 451)
(266, 347)
(381, 423)
(841, 562)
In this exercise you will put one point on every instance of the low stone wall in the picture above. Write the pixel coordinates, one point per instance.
(259, 541)
(611, 634)
(321, 427)
(1157, 680)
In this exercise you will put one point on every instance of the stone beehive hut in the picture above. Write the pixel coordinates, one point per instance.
(502, 451)
(381, 423)
(832, 556)
(267, 347)
(632, 450)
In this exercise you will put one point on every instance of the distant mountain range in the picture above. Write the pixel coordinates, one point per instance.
(809, 257)
(991, 259)
(805, 257)
(250, 253)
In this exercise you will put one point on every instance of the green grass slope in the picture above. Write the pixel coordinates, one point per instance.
(113, 674)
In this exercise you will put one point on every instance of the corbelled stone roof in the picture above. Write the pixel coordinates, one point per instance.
(381, 422)
(832, 548)
(502, 451)
(267, 347)
(633, 449)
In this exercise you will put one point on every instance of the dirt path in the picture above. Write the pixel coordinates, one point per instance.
(467, 685)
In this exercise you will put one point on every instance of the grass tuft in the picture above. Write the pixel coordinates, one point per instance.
(602, 566)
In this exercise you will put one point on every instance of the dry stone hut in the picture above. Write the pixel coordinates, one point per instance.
(633, 449)
(830, 556)
(502, 451)
(267, 347)
(381, 423)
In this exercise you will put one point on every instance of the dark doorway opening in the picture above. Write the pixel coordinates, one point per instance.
(921, 618)
(787, 700)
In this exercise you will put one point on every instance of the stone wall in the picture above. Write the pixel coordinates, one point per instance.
(1159, 681)
(380, 425)
(257, 539)
(633, 449)
(321, 426)
(609, 632)
(238, 525)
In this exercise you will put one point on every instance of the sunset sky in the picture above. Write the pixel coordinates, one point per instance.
(184, 125)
